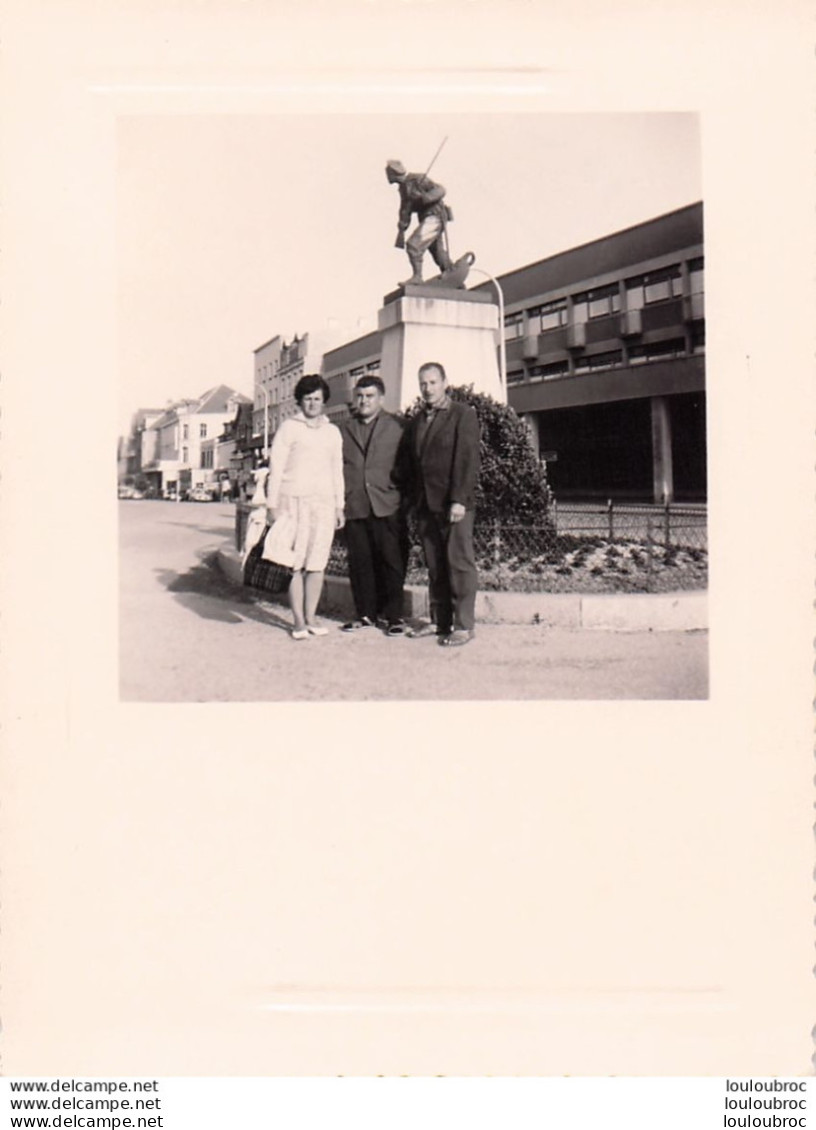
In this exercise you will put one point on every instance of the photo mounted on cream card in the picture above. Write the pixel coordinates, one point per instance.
(441, 774)
(412, 406)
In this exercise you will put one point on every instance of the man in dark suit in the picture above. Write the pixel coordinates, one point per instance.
(375, 523)
(443, 449)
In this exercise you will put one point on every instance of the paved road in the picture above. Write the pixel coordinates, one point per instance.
(187, 635)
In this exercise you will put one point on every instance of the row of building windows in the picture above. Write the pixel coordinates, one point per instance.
(613, 359)
(266, 371)
(202, 431)
(639, 291)
(596, 304)
(281, 391)
(349, 376)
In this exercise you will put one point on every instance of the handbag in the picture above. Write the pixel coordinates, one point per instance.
(255, 531)
(279, 540)
(261, 573)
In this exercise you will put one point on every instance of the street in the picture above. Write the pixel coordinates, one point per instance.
(188, 635)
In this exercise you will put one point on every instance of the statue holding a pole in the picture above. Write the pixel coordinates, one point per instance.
(424, 197)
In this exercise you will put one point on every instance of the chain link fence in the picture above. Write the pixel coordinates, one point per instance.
(579, 548)
(669, 525)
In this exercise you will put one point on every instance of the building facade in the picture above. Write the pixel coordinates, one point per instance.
(137, 450)
(343, 366)
(605, 349)
(278, 366)
(181, 446)
(267, 359)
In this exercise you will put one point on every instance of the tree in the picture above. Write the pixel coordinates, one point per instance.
(512, 481)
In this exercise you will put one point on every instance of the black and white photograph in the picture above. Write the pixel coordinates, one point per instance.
(452, 401)
(407, 587)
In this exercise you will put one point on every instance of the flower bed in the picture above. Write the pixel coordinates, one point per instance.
(590, 565)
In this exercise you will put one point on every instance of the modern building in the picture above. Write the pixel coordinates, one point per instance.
(605, 348)
(343, 366)
(605, 353)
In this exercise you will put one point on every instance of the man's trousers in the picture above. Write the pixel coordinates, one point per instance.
(451, 561)
(377, 557)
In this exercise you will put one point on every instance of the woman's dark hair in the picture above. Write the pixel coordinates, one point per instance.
(309, 384)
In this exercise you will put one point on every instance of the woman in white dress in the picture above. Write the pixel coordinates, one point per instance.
(306, 481)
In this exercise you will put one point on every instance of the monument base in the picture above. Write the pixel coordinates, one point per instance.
(423, 322)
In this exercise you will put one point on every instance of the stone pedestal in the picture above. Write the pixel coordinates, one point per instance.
(458, 328)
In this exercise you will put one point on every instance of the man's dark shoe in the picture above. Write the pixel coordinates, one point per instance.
(426, 630)
(354, 625)
(457, 638)
(396, 628)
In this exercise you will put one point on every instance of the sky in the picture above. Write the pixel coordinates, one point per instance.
(234, 228)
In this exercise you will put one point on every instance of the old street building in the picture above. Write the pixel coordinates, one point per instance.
(605, 351)
(138, 450)
(180, 432)
(266, 390)
(278, 366)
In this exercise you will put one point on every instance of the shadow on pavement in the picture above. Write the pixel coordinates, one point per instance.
(226, 532)
(205, 591)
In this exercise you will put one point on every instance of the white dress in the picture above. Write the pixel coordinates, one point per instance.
(306, 481)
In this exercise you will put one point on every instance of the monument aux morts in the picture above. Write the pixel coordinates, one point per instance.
(438, 320)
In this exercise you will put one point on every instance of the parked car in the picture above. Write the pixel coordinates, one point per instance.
(200, 494)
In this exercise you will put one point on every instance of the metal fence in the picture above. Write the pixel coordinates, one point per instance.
(608, 547)
(669, 525)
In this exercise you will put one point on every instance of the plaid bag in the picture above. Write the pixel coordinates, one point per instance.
(259, 573)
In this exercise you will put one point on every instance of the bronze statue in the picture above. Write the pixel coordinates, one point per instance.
(423, 196)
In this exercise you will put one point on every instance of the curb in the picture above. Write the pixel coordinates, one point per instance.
(616, 612)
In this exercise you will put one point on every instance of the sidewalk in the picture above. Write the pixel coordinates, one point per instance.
(216, 643)
(188, 634)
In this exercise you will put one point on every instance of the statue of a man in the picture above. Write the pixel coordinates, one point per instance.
(420, 195)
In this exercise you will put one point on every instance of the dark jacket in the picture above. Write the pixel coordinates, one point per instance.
(369, 470)
(444, 461)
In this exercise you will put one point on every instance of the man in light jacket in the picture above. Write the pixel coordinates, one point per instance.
(375, 525)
